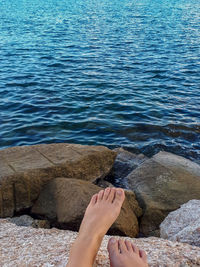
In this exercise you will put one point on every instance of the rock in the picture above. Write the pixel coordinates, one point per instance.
(28, 221)
(125, 163)
(23, 220)
(160, 189)
(175, 162)
(26, 169)
(63, 201)
(102, 183)
(183, 225)
(41, 224)
(131, 198)
(27, 246)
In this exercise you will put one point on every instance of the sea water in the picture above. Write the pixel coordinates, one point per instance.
(101, 72)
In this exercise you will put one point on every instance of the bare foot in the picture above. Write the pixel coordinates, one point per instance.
(125, 254)
(101, 213)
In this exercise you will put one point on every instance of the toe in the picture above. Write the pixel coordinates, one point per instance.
(119, 196)
(143, 255)
(122, 246)
(111, 195)
(128, 245)
(100, 195)
(113, 247)
(106, 193)
(93, 199)
(135, 249)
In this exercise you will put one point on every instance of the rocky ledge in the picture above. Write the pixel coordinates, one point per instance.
(54, 183)
(26, 169)
(26, 246)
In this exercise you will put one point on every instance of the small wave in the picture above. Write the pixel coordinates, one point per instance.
(47, 57)
(56, 65)
(26, 84)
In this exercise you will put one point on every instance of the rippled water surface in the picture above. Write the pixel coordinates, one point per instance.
(111, 72)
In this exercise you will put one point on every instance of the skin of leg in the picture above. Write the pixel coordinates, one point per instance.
(102, 211)
(125, 254)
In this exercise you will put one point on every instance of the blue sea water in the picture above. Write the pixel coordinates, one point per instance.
(104, 72)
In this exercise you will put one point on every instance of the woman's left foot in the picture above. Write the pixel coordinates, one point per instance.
(101, 213)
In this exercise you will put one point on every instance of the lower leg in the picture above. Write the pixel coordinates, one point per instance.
(83, 251)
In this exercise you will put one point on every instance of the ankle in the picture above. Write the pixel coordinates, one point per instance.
(90, 239)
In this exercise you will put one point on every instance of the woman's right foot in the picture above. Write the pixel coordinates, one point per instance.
(125, 254)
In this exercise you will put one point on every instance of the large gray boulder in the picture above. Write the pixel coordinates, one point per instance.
(64, 201)
(26, 169)
(183, 225)
(161, 185)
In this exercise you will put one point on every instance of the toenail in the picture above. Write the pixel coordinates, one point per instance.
(112, 240)
(119, 192)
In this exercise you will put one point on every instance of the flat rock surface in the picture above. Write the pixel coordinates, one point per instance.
(30, 247)
(25, 169)
(183, 224)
